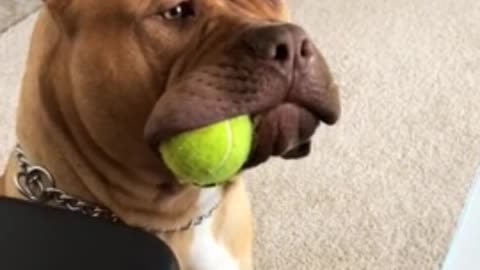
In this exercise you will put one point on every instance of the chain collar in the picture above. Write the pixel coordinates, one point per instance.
(36, 184)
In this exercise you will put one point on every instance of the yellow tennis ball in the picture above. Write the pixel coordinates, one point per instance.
(210, 155)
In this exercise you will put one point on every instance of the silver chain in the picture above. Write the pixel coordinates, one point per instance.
(36, 184)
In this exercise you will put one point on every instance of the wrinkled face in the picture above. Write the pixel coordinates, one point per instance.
(146, 70)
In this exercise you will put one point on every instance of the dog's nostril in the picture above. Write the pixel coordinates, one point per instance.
(282, 53)
(306, 49)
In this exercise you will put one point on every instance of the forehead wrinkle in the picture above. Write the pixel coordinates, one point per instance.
(270, 3)
(271, 9)
(109, 7)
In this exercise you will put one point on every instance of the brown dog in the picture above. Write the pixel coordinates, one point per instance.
(108, 81)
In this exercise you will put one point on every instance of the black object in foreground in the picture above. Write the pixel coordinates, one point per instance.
(35, 237)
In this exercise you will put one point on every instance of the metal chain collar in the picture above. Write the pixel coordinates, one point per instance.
(36, 184)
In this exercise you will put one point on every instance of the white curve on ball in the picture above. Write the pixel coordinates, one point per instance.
(229, 149)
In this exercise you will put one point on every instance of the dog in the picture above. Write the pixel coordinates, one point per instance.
(108, 81)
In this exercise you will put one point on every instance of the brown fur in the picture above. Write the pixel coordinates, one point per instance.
(2, 185)
(96, 70)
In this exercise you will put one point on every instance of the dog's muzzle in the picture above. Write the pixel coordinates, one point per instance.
(273, 73)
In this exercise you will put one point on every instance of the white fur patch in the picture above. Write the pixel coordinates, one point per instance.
(209, 197)
(206, 253)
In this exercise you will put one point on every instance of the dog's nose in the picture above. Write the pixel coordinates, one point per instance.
(284, 44)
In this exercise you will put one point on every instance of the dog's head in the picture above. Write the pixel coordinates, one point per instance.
(142, 71)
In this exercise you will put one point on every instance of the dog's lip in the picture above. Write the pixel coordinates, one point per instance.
(155, 138)
(285, 131)
(280, 146)
(173, 120)
(277, 146)
(180, 111)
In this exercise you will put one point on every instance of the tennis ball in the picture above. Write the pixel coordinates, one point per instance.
(210, 155)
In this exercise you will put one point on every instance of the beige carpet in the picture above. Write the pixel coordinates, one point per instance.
(13, 11)
(384, 188)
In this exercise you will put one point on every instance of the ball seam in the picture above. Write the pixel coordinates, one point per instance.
(228, 152)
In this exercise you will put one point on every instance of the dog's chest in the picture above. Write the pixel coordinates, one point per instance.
(207, 253)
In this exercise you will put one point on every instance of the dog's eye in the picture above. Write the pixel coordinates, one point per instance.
(181, 11)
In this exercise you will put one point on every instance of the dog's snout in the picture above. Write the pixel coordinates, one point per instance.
(284, 44)
(273, 71)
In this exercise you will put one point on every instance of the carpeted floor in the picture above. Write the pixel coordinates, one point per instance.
(383, 189)
(13, 11)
